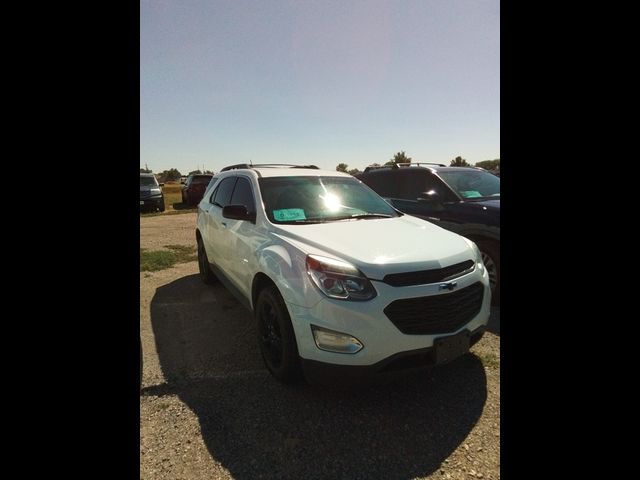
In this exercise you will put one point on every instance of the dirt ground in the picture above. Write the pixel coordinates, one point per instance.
(210, 410)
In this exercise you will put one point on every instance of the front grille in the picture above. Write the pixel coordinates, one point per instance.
(145, 193)
(444, 313)
(427, 276)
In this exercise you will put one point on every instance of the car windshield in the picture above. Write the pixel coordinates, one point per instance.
(200, 180)
(148, 182)
(299, 200)
(470, 184)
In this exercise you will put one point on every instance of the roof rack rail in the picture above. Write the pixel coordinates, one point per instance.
(233, 167)
(406, 164)
(267, 165)
(422, 163)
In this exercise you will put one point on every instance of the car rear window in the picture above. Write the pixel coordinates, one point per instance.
(148, 181)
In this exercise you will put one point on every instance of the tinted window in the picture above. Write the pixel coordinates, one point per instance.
(242, 195)
(413, 183)
(148, 181)
(383, 182)
(222, 195)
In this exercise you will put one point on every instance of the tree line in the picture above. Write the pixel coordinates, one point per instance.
(401, 157)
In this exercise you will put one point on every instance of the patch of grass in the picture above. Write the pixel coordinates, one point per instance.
(184, 253)
(154, 260)
(172, 188)
(489, 359)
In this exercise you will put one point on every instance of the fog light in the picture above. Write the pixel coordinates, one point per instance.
(333, 341)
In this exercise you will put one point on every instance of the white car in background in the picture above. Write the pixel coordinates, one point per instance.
(342, 285)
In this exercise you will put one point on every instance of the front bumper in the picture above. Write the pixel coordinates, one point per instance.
(367, 322)
(151, 202)
(423, 358)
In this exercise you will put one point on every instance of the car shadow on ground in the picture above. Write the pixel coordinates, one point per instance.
(258, 428)
(494, 321)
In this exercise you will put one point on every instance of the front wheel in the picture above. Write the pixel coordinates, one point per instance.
(276, 336)
(491, 258)
(204, 268)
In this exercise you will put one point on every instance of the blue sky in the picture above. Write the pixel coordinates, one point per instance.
(322, 82)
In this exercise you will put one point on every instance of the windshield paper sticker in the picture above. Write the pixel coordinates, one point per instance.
(470, 193)
(289, 214)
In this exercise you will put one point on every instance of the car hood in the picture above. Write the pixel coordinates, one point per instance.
(381, 246)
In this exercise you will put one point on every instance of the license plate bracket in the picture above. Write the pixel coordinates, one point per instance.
(451, 347)
(141, 202)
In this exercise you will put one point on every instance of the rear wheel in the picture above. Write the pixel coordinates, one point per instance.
(276, 336)
(204, 268)
(491, 258)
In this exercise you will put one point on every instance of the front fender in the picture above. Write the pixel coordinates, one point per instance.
(285, 266)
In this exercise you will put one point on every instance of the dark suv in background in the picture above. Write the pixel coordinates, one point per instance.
(151, 196)
(465, 200)
(194, 188)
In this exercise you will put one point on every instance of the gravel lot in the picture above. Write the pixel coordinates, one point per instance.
(209, 409)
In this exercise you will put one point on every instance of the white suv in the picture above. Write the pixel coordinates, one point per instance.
(341, 284)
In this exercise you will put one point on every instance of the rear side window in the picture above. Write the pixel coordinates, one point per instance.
(413, 183)
(384, 183)
(222, 196)
(242, 195)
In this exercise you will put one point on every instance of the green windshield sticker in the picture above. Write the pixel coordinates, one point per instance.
(289, 214)
(470, 193)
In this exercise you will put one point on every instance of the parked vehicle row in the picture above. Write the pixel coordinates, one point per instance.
(152, 196)
(342, 283)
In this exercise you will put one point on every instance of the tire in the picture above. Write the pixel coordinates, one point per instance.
(276, 337)
(161, 208)
(491, 257)
(206, 275)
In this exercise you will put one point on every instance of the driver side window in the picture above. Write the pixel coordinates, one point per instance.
(222, 195)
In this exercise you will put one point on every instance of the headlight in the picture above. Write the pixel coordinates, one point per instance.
(478, 255)
(155, 191)
(339, 279)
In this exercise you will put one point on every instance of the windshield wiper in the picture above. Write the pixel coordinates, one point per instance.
(296, 222)
(360, 216)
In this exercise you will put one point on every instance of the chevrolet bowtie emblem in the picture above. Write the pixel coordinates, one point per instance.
(448, 286)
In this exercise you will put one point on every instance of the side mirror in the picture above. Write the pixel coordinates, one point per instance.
(431, 197)
(162, 184)
(238, 212)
